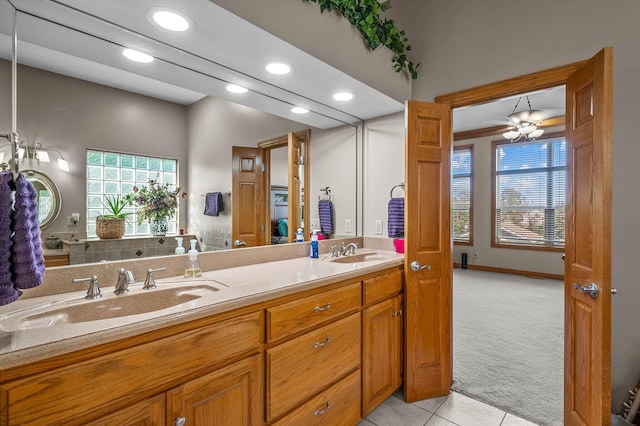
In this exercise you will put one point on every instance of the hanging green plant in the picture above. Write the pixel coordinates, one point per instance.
(365, 16)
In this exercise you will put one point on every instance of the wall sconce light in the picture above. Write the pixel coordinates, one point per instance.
(37, 152)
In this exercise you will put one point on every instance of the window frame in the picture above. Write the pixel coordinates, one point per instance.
(471, 193)
(133, 217)
(494, 236)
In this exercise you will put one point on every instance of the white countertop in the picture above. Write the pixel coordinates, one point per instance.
(237, 287)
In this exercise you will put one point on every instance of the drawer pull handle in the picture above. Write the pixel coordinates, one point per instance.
(321, 344)
(324, 410)
(322, 308)
(397, 313)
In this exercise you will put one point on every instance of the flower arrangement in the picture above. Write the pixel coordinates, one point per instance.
(154, 201)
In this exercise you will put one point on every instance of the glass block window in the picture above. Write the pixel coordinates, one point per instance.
(113, 173)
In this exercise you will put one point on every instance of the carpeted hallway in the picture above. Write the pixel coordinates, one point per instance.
(508, 333)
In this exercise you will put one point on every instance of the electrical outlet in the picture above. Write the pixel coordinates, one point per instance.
(347, 226)
(474, 255)
(379, 227)
(315, 224)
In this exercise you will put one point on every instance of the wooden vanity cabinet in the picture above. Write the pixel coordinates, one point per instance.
(382, 339)
(149, 412)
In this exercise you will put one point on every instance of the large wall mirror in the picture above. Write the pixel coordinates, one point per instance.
(196, 126)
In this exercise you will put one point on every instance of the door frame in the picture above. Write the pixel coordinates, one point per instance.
(507, 88)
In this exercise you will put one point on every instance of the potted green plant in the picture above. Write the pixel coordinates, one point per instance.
(111, 225)
(155, 203)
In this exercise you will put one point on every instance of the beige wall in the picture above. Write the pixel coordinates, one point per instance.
(463, 44)
(72, 115)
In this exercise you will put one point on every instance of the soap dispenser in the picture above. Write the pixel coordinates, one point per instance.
(193, 270)
(179, 249)
(314, 245)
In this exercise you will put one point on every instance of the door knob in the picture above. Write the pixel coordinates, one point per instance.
(415, 266)
(592, 289)
(239, 243)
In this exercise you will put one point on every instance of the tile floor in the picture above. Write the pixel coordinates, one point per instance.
(452, 410)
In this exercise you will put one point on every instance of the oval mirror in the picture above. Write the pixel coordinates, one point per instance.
(48, 197)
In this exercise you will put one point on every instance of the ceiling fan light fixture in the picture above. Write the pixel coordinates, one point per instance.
(524, 124)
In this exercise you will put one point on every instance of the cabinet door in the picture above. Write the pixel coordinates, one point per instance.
(231, 396)
(382, 352)
(149, 412)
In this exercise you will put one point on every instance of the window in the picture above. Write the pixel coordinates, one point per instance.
(116, 174)
(529, 193)
(462, 194)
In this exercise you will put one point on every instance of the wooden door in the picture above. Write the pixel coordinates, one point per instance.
(247, 197)
(381, 352)
(231, 396)
(428, 292)
(295, 151)
(588, 243)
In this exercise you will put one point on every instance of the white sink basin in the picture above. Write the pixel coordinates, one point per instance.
(360, 258)
(79, 310)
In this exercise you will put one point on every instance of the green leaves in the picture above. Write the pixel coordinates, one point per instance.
(365, 16)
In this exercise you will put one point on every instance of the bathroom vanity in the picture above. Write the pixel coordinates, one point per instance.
(317, 346)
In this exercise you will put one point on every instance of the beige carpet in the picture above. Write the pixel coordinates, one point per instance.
(508, 339)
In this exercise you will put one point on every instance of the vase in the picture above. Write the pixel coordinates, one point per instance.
(159, 226)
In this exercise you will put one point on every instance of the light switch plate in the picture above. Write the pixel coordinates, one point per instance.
(315, 224)
(347, 226)
(379, 227)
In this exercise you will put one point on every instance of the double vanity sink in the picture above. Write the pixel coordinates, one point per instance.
(52, 319)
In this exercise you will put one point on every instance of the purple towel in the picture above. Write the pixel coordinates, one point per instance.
(8, 293)
(213, 204)
(27, 261)
(325, 210)
(396, 218)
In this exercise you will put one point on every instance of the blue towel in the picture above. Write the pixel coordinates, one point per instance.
(8, 293)
(213, 204)
(396, 218)
(325, 210)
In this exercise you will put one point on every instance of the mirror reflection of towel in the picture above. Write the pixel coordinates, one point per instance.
(213, 204)
(396, 218)
(325, 210)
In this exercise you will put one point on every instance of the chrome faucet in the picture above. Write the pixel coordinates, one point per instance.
(94, 290)
(150, 282)
(334, 251)
(124, 279)
(348, 249)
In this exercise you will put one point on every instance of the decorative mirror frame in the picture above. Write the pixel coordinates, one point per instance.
(56, 197)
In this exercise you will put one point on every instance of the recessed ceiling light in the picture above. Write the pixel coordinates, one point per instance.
(278, 68)
(343, 96)
(234, 88)
(136, 56)
(169, 19)
(299, 110)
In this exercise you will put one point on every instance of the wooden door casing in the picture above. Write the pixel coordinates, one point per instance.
(294, 154)
(428, 294)
(588, 243)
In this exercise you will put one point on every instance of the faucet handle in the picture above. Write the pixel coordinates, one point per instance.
(94, 290)
(124, 279)
(150, 282)
(334, 251)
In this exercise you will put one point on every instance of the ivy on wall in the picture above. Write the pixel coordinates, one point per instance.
(365, 16)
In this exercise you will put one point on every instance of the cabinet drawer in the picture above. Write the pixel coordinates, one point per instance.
(289, 318)
(338, 405)
(298, 369)
(382, 287)
(71, 395)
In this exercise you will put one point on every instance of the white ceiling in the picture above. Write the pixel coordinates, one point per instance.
(84, 39)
